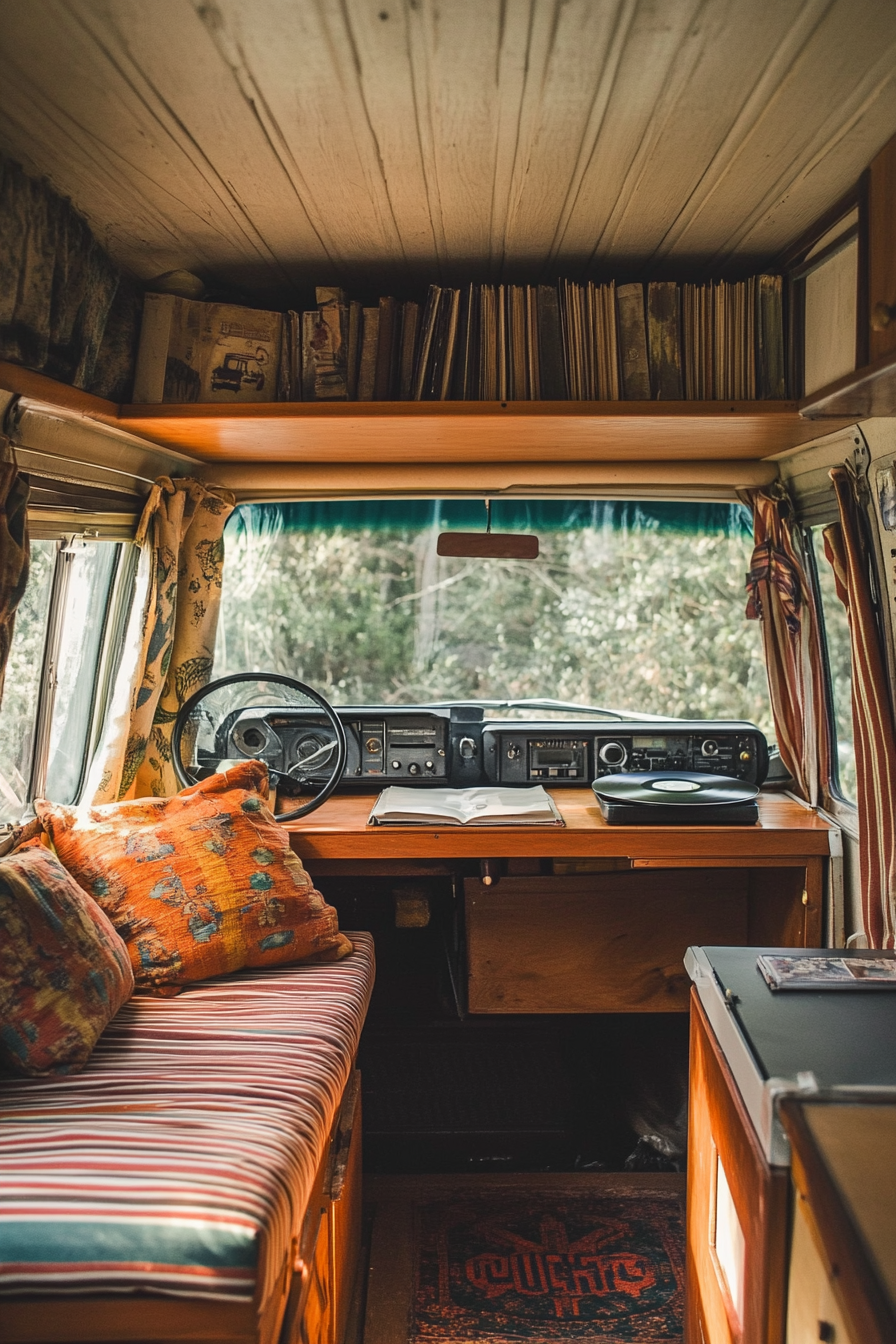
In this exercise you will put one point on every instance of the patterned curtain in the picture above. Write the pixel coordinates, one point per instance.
(872, 715)
(15, 550)
(170, 643)
(781, 598)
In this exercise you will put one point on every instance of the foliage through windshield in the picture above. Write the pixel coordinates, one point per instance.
(638, 607)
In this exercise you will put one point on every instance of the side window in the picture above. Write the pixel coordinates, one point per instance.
(52, 691)
(21, 688)
(837, 644)
(88, 586)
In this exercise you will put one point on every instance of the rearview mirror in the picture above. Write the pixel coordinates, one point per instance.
(488, 545)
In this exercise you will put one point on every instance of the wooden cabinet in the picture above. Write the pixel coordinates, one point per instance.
(737, 1210)
(320, 1298)
(615, 942)
(842, 1281)
(612, 942)
(813, 1311)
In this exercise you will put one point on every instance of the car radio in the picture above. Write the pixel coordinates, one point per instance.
(551, 754)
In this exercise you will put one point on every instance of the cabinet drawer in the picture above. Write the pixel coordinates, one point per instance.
(610, 942)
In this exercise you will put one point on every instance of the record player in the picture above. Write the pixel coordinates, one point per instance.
(676, 798)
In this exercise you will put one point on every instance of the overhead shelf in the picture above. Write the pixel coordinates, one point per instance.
(455, 431)
(447, 431)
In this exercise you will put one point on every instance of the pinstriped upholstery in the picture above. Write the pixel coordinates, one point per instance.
(180, 1161)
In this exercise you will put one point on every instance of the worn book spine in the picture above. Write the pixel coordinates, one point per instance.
(550, 345)
(370, 331)
(534, 368)
(410, 317)
(664, 340)
(460, 375)
(488, 344)
(309, 322)
(293, 325)
(353, 358)
(633, 343)
(501, 339)
(382, 384)
(770, 338)
(452, 316)
(331, 353)
(423, 361)
(152, 352)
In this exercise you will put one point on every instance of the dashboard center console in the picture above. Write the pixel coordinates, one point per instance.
(459, 747)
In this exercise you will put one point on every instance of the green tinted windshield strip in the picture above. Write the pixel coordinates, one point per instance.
(508, 515)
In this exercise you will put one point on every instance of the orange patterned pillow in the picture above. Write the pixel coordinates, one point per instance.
(199, 884)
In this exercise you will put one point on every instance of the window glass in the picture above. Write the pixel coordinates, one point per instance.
(92, 568)
(21, 688)
(836, 636)
(630, 605)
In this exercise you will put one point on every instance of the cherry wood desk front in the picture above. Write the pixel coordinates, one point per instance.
(591, 918)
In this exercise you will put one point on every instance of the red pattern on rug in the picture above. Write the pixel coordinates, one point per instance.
(504, 1270)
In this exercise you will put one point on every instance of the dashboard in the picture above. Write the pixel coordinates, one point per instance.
(458, 746)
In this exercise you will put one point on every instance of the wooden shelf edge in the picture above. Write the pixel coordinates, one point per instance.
(24, 382)
(442, 410)
(869, 391)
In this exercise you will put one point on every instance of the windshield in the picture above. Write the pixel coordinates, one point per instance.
(634, 606)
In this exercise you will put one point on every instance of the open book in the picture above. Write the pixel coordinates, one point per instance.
(798, 972)
(465, 807)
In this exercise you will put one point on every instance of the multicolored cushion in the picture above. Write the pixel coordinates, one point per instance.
(64, 971)
(198, 884)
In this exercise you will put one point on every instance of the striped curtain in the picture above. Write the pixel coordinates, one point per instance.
(847, 549)
(781, 598)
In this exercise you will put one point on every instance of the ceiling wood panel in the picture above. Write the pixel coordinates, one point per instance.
(388, 143)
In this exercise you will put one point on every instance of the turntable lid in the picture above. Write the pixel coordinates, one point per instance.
(846, 1039)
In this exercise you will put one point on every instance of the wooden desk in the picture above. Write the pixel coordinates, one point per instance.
(786, 833)
(541, 942)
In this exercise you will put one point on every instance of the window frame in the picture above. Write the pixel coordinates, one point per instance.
(115, 613)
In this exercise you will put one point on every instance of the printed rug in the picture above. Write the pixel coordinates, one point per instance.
(527, 1259)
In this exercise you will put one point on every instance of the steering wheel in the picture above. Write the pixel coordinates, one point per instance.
(216, 724)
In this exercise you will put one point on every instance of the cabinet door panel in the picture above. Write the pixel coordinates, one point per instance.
(612, 942)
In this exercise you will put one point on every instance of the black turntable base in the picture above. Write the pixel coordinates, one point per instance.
(676, 798)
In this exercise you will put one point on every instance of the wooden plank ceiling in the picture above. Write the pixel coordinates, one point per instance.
(388, 143)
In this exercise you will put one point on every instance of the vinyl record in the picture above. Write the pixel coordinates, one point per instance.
(674, 788)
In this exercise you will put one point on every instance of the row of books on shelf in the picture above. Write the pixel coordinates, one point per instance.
(582, 342)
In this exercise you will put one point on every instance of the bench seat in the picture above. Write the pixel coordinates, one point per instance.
(180, 1162)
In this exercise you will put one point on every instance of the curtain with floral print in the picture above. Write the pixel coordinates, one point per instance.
(171, 640)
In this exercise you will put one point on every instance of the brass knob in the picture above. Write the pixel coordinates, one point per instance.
(882, 315)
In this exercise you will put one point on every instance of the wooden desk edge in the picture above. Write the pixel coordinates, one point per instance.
(339, 830)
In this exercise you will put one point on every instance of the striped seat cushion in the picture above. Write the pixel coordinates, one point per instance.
(180, 1161)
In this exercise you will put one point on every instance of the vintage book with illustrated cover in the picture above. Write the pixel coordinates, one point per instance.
(465, 807)
(796, 972)
(205, 352)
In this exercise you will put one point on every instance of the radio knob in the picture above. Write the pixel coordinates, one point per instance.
(513, 752)
(710, 747)
(396, 765)
(745, 755)
(413, 768)
(613, 753)
(428, 765)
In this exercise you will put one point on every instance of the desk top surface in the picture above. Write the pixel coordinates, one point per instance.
(786, 829)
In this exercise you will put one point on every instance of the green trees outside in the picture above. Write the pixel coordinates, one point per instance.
(648, 619)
